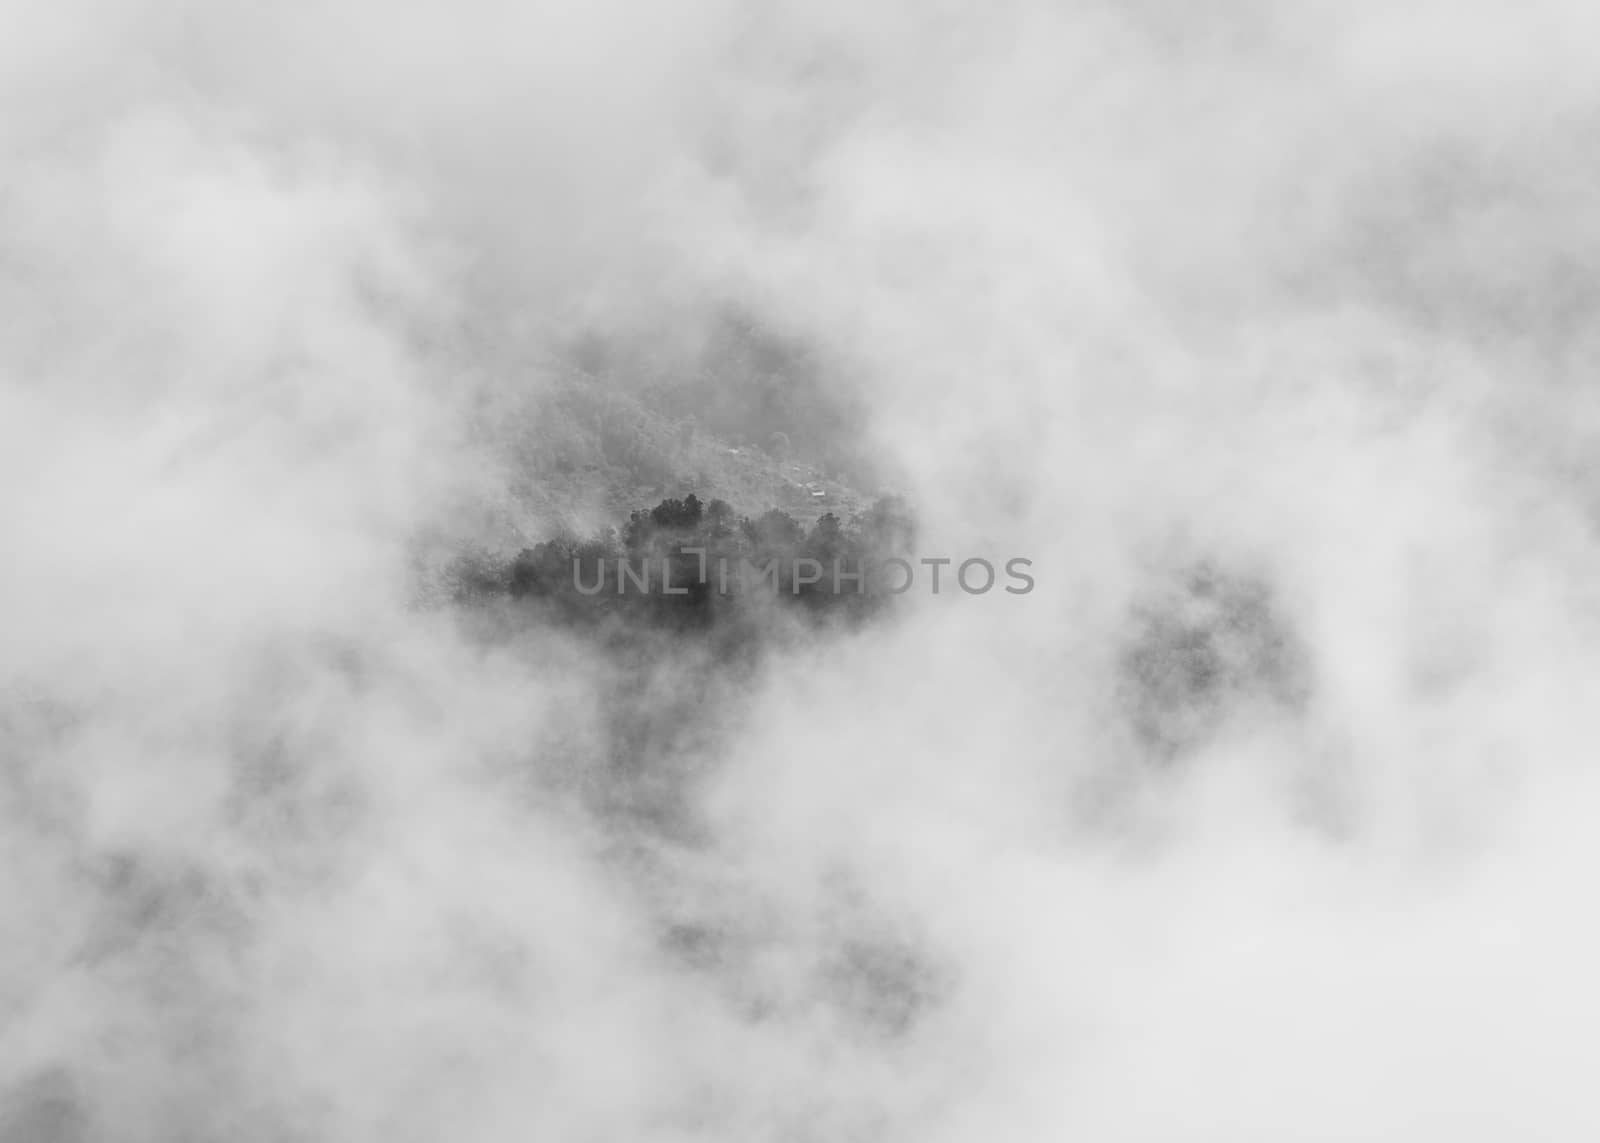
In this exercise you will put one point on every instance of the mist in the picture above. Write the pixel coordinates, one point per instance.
(1259, 329)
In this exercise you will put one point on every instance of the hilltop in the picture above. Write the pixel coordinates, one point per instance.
(749, 419)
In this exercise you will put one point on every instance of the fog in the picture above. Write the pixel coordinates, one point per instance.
(291, 850)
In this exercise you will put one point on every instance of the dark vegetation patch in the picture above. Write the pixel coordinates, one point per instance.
(1213, 644)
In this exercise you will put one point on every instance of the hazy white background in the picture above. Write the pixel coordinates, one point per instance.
(1303, 287)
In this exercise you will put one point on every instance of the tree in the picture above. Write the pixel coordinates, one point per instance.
(678, 514)
(540, 570)
(719, 515)
(778, 529)
(827, 528)
(639, 530)
(827, 539)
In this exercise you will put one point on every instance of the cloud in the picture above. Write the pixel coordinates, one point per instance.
(1293, 293)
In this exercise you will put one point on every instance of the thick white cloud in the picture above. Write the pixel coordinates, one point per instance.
(1297, 289)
